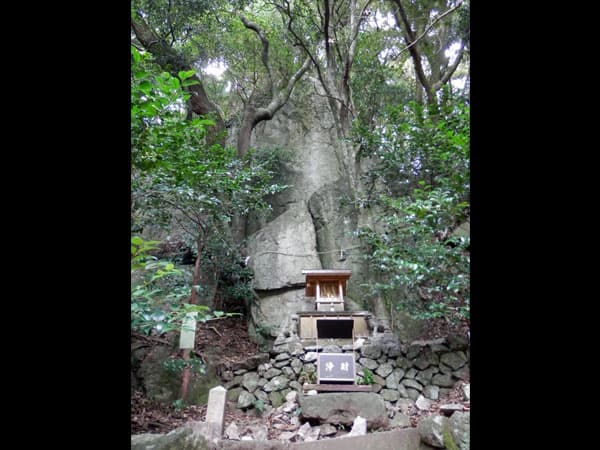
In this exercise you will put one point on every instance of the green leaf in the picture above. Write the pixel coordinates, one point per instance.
(145, 86)
(190, 83)
(136, 240)
(185, 74)
(175, 84)
(136, 54)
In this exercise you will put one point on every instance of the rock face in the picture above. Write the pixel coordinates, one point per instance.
(313, 224)
(309, 218)
(343, 408)
(275, 311)
(305, 127)
(163, 385)
(334, 227)
(273, 250)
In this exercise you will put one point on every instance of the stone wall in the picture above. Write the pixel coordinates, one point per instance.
(401, 372)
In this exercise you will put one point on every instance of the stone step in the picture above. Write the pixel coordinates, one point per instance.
(402, 439)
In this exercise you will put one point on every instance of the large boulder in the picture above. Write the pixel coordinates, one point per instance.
(282, 249)
(273, 313)
(431, 430)
(192, 436)
(460, 429)
(164, 385)
(343, 408)
(335, 228)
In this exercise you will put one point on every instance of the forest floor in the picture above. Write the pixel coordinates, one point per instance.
(230, 337)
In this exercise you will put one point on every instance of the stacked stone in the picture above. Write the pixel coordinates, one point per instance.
(422, 368)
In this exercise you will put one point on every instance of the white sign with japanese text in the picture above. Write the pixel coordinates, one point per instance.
(335, 367)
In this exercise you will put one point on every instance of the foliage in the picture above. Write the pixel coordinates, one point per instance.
(378, 78)
(178, 404)
(421, 184)
(173, 170)
(367, 377)
(178, 21)
(176, 365)
(308, 377)
(153, 309)
(179, 180)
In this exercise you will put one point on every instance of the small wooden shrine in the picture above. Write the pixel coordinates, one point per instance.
(328, 287)
(330, 322)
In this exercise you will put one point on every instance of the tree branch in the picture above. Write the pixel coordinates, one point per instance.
(355, 26)
(450, 70)
(429, 27)
(326, 33)
(171, 29)
(301, 43)
(409, 37)
(265, 51)
(283, 96)
(174, 205)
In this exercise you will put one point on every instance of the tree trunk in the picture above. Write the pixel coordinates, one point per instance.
(196, 278)
(245, 131)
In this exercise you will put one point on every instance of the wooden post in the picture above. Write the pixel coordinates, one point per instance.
(185, 380)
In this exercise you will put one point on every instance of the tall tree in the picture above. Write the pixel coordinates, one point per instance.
(176, 177)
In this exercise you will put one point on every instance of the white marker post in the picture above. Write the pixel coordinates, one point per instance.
(215, 412)
(186, 343)
(188, 331)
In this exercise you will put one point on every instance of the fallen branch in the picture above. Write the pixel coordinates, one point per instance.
(215, 330)
(137, 347)
(151, 338)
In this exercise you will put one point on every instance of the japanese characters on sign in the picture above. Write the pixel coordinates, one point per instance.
(335, 367)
